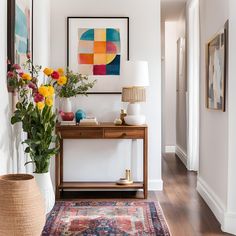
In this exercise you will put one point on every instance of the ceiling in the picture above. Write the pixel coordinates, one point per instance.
(171, 9)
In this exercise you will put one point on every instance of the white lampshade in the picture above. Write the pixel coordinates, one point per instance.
(135, 73)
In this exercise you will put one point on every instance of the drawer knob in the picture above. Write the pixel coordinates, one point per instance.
(124, 134)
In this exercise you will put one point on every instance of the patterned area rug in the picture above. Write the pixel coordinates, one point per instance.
(92, 218)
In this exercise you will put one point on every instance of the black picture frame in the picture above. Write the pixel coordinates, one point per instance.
(96, 17)
(11, 17)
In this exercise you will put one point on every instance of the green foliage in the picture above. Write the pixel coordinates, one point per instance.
(77, 84)
(41, 142)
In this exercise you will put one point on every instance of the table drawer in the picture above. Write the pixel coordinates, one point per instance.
(82, 134)
(126, 133)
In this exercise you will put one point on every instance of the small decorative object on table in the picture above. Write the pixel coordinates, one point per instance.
(127, 180)
(135, 80)
(123, 114)
(79, 115)
(67, 116)
(118, 121)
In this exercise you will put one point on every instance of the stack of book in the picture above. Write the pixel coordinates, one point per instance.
(73, 122)
(88, 121)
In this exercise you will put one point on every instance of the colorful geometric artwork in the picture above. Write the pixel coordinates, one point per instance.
(99, 51)
(106, 218)
(22, 30)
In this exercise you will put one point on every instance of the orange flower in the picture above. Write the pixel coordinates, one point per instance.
(26, 76)
(48, 71)
(62, 80)
(60, 71)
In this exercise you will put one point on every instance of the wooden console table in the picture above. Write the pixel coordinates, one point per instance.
(102, 131)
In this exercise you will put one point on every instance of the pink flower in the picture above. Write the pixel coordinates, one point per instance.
(16, 66)
(38, 98)
(28, 55)
(32, 85)
(10, 74)
(55, 75)
(21, 74)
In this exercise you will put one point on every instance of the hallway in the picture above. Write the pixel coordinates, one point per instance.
(186, 213)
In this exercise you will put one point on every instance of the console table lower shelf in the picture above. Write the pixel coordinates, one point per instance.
(99, 185)
(101, 131)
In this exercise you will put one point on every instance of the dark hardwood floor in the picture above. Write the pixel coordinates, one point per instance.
(185, 211)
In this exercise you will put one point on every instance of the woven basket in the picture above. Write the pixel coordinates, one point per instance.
(21, 206)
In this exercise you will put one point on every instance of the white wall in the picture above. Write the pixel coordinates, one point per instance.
(42, 32)
(181, 116)
(216, 181)
(170, 82)
(5, 97)
(213, 124)
(103, 159)
(163, 73)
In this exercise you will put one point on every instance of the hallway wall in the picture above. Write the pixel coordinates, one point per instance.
(170, 84)
(214, 124)
(181, 103)
(216, 180)
(5, 97)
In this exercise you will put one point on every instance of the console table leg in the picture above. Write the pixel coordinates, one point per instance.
(145, 164)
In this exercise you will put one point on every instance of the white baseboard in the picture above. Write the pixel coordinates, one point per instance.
(226, 219)
(169, 149)
(155, 185)
(182, 155)
(229, 224)
(211, 199)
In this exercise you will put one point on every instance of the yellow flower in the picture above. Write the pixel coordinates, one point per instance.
(26, 76)
(60, 71)
(43, 90)
(49, 101)
(50, 90)
(62, 80)
(40, 105)
(48, 71)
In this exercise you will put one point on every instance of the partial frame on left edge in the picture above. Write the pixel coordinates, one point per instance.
(11, 18)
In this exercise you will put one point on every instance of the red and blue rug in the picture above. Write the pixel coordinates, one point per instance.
(102, 218)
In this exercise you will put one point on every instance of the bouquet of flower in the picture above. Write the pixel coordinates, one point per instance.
(76, 84)
(34, 111)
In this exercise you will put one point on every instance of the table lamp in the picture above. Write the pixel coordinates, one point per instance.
(135, 77)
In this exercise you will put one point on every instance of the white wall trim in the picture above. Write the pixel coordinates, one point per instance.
(170, 149)
(182, 155)
(211, 199)
(226, 219)
(229, 224)
(155, 185)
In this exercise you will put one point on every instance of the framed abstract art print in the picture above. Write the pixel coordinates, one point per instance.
(96, 46)
(216, 73)
(20, 30)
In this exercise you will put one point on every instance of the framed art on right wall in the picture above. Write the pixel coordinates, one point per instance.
(216, 70)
